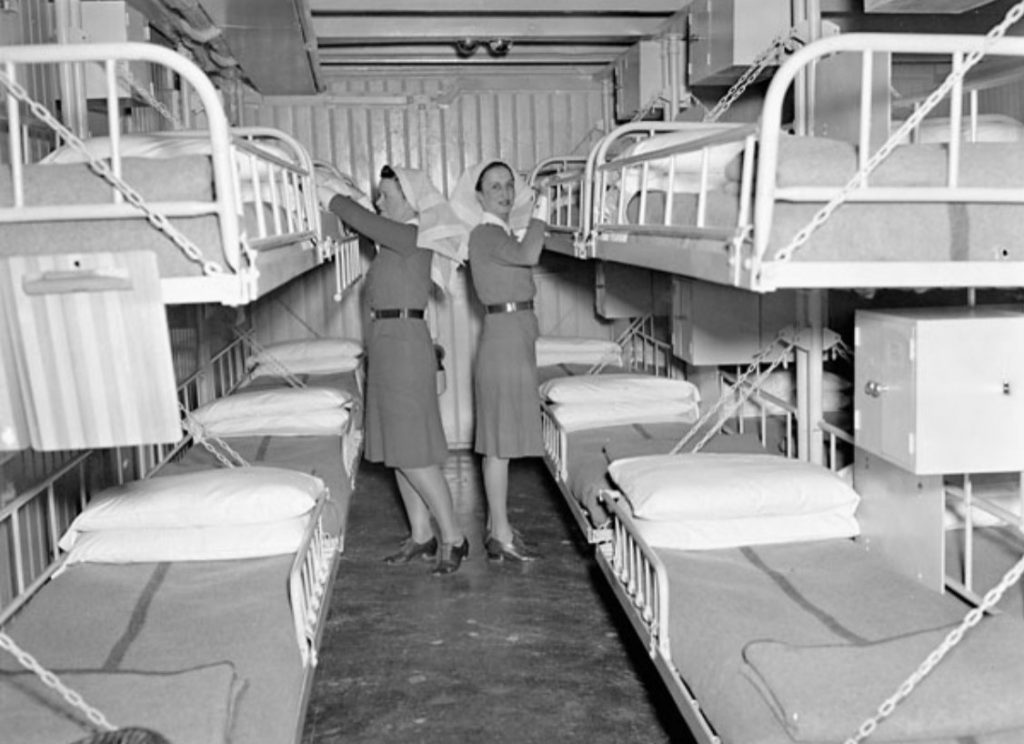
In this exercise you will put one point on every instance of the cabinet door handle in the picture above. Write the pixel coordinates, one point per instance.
(874, 388)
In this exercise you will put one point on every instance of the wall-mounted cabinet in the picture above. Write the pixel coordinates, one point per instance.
(110, 21)
(941, 390)
(727, 35)
(623, 291)
(713, 324)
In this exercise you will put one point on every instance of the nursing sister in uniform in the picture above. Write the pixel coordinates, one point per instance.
(507, 404)
(414, 231)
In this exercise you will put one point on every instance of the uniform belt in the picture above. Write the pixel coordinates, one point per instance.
(510, 307)
(398, 312)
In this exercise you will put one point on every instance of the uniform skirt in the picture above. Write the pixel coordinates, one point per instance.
(403, 421)
(505, 387)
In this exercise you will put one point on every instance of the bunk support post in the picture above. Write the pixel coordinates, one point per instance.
(809, 375)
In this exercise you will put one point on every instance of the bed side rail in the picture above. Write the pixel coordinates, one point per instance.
(33, 519)
(640, 573)
(941, 50)
(560, 178)
(308, 580)
(555, 442)
(636, 173)
(19, 62)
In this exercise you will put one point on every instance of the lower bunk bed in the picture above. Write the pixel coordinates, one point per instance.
(770, 622)
(214, 580)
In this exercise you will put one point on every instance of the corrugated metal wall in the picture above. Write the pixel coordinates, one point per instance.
(440, 124)
(31, 22)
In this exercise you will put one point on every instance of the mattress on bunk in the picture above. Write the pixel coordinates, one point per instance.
(328, 457)
(168, 618)
(890, 231)
(818, 635)
(548, 372)
(589, 452)
(186, 179)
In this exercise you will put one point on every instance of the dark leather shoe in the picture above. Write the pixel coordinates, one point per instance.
(410, 549)
(511, 551)
(450, 556)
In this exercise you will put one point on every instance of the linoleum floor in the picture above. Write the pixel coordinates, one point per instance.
(496, 653)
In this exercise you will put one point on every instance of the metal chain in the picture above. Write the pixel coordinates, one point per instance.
(100, 167)
(124, 74)
(954, 637)
(784, 338)
(273, 361)
(199, 434)
(1012, 16)
(52, 681)
(782, 43)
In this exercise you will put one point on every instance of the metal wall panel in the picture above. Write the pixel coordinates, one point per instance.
(31, 22)
(440, 124)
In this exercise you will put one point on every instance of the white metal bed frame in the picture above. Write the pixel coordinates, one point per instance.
(33, 521)
(643, 352)
(248, 266)
(739, 254)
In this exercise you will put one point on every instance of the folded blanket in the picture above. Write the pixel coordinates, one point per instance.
(194, 706)
(824, 693)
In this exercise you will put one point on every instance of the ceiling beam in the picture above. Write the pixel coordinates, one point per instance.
(444, 54)
(514, 27)
(425, 7)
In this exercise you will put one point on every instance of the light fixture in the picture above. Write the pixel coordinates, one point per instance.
(499, 47)
(466, 47)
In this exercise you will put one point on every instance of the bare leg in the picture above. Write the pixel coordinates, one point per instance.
(434, 498)
(495, 472)
(415, 508)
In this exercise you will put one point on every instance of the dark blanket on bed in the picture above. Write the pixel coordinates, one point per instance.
(830, 593)
(890, 231)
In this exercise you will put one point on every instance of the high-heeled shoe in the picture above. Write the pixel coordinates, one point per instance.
(450, 557)
(410, 549)
(513, 550)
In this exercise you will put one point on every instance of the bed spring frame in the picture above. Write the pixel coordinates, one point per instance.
(247, 265)
(642, 351)
(739, 254)
(33, 519)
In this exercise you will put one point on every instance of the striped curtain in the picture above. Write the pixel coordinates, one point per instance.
(91, 349)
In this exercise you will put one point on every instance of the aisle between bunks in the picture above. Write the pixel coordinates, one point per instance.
(497, 652)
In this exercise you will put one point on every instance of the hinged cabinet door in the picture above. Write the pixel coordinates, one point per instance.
(884, 402)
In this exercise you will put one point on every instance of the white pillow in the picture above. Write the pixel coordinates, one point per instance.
(575, 416)
(308, 356)
(782, 385)
(617, 387)
(728, 486)
(208, 498)
(577, 350)
(308, 350)
(326, 366)
(687, 165)
(189, 543)
(326, 422)
(270, 402)
(714, 534)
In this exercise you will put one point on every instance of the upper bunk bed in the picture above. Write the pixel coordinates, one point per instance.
(725, 202)
(230, 213)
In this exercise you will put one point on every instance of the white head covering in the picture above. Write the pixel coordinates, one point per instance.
(439, 228)
(467, 207)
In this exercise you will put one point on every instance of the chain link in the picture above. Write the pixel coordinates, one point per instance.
(954, 637)
(221, 450)
(100, 167)
(52, 681)
(785, 343)
(124, 74)
(782, 43)
(997, 32)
